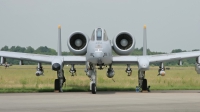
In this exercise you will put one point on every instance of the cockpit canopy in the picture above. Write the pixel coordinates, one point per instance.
(99, 34)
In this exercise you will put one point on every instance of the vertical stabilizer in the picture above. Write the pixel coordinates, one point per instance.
(144, 41)
(59, 41)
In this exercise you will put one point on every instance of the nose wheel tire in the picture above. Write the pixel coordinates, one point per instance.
(94, 88)
(57, 85)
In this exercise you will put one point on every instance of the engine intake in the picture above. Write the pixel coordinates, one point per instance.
(123, 43)
(77, 43)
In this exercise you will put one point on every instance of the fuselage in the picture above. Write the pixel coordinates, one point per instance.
(99, 49)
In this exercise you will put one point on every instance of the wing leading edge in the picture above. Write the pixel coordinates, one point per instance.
(155, 58)
(43, 58)
(173, 56)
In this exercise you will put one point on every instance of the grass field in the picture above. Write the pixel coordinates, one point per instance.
(23, 79)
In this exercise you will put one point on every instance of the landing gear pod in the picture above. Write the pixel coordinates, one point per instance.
(197, 65)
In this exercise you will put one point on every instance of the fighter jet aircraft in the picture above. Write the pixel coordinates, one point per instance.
(6, 65)
(96, 51)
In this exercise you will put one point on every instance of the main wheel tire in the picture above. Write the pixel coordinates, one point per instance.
(93, 88)
(57, 85)
(144, 84)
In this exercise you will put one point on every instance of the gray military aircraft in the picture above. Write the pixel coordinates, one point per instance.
(6, 65)
(97, 52)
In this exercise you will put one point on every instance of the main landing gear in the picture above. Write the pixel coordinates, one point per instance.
(60, 81)
(93, 87)
(142, 82)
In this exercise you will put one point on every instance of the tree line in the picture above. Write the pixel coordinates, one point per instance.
(49, 51)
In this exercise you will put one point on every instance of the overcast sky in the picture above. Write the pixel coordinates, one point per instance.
(171, 24)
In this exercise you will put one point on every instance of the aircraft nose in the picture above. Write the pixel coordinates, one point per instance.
(98, 54)
(56, 66)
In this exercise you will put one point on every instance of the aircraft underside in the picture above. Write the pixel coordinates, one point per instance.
(91, 72)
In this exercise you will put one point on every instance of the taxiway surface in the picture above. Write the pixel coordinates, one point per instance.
(156, 101)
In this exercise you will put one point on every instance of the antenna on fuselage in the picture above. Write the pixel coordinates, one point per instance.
(145, 41)
(59, 41)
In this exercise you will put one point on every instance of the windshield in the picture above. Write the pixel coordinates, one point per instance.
(99, 34)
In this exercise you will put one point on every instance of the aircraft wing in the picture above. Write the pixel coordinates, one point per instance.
(27, 56)
(74, 59)
(125, 59)
(173, 56)
(155, 58)
(42, 58)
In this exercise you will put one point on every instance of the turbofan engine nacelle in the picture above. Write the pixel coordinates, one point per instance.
(123, 43)
(77, 43)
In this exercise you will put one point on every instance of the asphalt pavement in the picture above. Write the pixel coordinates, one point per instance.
(156, 101)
